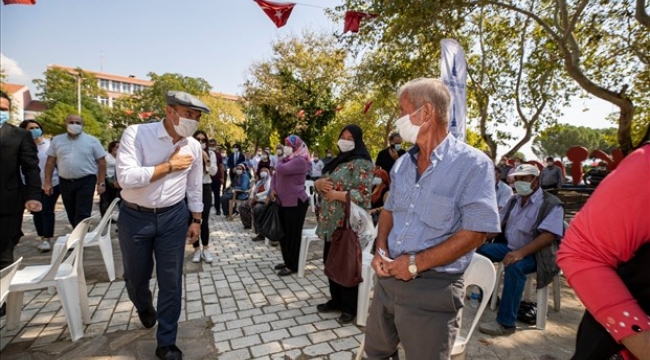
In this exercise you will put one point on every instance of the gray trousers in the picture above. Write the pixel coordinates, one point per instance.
(422, 314)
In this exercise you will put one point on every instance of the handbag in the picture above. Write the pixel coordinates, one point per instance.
(270, 226)
(343, 264)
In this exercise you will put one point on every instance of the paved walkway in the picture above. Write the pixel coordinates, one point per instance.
(235, 308)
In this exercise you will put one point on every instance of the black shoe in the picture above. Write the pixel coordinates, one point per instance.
(259, 238)
(3, 310)
(169, 353)
(279, 266)
(327, 307)
(275, 243)
(148, 317)
(346, 318)
(285, 272)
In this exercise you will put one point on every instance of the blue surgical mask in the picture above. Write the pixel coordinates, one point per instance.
(36, 133)
(4, 117)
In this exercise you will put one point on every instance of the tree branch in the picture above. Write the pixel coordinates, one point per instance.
(641, 14)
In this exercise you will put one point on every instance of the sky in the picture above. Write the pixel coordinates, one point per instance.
(213, 39)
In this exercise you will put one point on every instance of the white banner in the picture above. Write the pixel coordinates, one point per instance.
(453, 71)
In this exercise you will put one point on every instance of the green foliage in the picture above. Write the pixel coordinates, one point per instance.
(296, 88)
(224, 123)
(53, 121)
(556, 140)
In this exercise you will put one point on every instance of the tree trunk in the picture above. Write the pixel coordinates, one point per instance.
(641, 15)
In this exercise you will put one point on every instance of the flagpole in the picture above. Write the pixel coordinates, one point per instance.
(79, 95)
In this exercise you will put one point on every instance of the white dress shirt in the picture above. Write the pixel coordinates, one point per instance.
(144, 146)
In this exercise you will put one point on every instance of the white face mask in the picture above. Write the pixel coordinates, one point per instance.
(279, 152)
(397, 147)
(523, 188)
(75, 129)
(406, 129)
(186, 127)
(239, 172)
(204, 146)
(345, 145)
(288, 150)
(264, 174)
(235, 150)
(264, 158)
(376, 181)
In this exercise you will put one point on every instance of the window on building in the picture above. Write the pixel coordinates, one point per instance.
(136, 87)
(103, 83)
(126, 88)
(103, 101)
(116, 86)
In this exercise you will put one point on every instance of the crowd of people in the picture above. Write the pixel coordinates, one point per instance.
(434, 205)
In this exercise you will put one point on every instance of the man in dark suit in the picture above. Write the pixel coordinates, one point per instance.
(234, 159)
(387, 157)
(18, 153)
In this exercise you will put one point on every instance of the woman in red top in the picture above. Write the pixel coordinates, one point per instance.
(605, 256)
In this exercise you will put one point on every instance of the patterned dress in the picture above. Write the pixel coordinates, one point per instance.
(354, 176)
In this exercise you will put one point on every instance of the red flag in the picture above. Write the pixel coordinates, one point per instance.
(301, 114)
(278, 12)
(19, 2)
(367, 107)
(353, 20)
(318, 112)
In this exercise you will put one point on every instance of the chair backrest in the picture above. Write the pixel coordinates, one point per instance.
(104, 225)
(480, 273)
(75, 240)
(310, 189)
(6, 275)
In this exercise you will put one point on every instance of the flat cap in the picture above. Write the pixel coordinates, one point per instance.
(182, 98)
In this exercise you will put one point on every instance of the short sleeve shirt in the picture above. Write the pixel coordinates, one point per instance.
(76, 158)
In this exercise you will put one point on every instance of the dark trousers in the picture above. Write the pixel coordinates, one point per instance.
(142, 237)
(44, 219)
(10, 234)
(225, 202)
(77, 197)
(343, 298)
(205, 216)
(292, 219)
(107, 197)
(216, 189)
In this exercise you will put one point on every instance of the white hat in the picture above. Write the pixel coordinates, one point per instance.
(526, 169)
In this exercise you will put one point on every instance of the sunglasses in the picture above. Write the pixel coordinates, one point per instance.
(201, 140)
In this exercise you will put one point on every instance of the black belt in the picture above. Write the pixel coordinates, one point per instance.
(78, 179)
(146, 209)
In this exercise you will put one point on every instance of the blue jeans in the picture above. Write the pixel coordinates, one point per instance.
(77, 195)
(44, 219)
(513, 283)
(142, 237)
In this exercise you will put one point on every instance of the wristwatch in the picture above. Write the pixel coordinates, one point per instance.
(197, 221)
(413, 269)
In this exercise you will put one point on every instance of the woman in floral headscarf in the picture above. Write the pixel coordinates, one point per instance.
(288, 189)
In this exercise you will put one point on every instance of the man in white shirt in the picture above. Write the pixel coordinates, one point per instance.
(158, 165)
(317, 166)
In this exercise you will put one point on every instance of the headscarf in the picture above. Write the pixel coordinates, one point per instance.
(298, 146)
(379, 189)
(359, 151)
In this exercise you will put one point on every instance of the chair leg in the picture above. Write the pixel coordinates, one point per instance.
(542, 308)
(83, 297)
(557, 292)
(495, 292)
(14, 305)
(56, 250)
(361, 346)
(68, 290)
(363, 297)
(302, 258)
(107, 254)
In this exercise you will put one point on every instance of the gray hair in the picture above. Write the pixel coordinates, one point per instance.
(74, 116)
(427, 90)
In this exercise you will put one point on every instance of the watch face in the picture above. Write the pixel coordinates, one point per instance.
(413, 269)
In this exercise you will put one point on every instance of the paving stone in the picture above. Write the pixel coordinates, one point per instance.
(265, 318)
(322, 336)
(295, 342)
(318, 349)
(265, 349)
(302, 329)
(307, 319)
(239, 323)
(347, 331)
(256, 329)
(342, 355)
(283, 323)
(240, 354)
(344, 344)
(328, 324)
(227, 335)
(245, 341)
(274, 335)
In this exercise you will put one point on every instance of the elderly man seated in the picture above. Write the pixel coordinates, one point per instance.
(531, 227)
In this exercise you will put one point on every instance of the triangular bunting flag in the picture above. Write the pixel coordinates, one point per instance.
(318, 112)
(301, 114)
(278, 12)
(367, 107)
(353, 20)
(19, 2)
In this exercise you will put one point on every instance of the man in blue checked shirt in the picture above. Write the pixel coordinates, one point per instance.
(441, 205)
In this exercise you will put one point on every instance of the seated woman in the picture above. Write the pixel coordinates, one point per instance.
(265, 163)
(380, 187)
(241, 183)
(253, 207)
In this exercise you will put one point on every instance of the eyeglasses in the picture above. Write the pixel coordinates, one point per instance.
(75, 123)
(201, 140)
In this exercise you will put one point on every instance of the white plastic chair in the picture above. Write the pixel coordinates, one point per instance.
(368, 276)
(480, 273)
(310, 189)
(6, 275)
(99, 236)
(68, 278)
(308, 236)
(542, 295)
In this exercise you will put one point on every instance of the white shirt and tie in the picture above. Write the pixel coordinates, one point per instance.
(144, 146)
